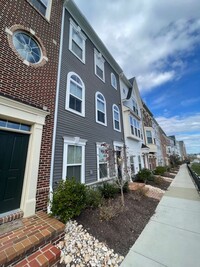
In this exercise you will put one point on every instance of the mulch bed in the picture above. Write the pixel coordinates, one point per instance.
(162, 185)
(122, 230)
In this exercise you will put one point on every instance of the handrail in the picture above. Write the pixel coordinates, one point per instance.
(195, 177)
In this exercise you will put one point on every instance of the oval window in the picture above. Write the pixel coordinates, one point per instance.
(27, 47)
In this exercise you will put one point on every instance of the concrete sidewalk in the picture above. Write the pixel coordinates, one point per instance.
(172, 236)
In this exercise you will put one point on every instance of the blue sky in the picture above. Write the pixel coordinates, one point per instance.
(158, 42)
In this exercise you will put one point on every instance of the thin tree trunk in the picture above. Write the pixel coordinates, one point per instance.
(122, 195)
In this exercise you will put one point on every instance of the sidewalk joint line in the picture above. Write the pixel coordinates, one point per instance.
(175, 227)
(149, 258)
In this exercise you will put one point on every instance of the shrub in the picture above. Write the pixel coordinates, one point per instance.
(168, 168)
(108, 190)
(125, 186)
(158, 180)
(69, 199)
(144, 175)
(109, 211)
(142, 191)
(160, 170)
(93, 198)
(196, 167)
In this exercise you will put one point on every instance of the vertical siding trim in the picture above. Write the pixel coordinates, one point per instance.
(56, 109)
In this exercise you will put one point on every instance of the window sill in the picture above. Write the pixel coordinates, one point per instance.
(131, 136)
(81, 60)
(103, 80)
(103, 124)
(75, 112)
(101, 180)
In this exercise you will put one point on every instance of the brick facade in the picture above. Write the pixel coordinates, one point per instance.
(34, 85)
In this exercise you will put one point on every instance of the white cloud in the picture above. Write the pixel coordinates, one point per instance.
(149, 39)
(179, 124)
(192, 142)
(185, 128)
(190, 101)
(151, 80)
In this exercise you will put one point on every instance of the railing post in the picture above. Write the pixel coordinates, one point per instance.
(195, 177)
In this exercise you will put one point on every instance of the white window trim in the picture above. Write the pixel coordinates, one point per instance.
(115, 145)
(99, 56)
(82, 113)
(48, 10)
(136, 136)
(104, 124)
(118, 130)
(112, 76)
(98, 145)
(149, 137)
(76, 141)
(136, 107)
(81, 34)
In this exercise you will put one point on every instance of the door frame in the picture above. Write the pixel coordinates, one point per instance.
(22, 113)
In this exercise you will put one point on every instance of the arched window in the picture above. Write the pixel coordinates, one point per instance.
(116, 118)
(101, 109)
(75, 96)
(113, 80)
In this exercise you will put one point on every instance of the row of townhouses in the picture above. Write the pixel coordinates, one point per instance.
(64, 104)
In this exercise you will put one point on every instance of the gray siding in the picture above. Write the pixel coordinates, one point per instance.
(70, 124)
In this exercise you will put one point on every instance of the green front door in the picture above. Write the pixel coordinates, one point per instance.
(13, 152)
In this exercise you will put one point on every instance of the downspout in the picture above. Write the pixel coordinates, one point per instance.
(56, 112)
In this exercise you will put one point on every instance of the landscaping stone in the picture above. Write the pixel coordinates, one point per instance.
(82, 249)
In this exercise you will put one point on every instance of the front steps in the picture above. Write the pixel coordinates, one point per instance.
(32, 244)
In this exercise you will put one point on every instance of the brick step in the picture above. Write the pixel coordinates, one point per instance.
(11, 216)
(37, 231)
(49, 255)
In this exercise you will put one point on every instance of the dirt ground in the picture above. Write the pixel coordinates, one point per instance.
(120, 227)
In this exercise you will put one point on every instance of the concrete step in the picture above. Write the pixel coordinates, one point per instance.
(35, 233)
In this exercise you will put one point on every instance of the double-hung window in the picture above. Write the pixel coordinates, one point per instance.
(100, 109)
(135, 107)
(74, 158)
(99, 65)
(43, 6)
(116, 118)
(149, 137)
(102, 163)
(113, 80)
(75, 94)
(135, 127)
(77, 41)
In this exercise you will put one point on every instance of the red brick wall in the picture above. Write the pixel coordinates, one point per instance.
(32, 85)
